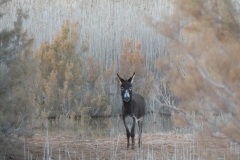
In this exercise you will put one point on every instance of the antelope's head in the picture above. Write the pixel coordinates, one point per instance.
(126, 88)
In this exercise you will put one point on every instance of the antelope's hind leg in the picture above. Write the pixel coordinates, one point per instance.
(140, 124)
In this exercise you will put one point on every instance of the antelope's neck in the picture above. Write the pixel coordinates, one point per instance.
(128, 107)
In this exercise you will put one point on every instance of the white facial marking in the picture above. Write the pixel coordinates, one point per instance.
(126, 96)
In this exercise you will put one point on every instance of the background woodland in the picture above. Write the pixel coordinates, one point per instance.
(190, 67)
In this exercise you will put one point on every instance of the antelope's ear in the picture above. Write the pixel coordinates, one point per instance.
(131, 79)
(121, 80)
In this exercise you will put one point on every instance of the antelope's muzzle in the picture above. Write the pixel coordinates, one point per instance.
(126, 96)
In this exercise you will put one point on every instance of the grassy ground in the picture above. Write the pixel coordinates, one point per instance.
(158, 146)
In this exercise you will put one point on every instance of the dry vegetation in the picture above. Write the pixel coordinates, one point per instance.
(203, 64)
(160, 146)
(63, 70)
(17, 72)
(197, 77)
(131, 60)
(82, 85)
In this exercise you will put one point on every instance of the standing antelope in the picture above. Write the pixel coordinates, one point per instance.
(133, 109)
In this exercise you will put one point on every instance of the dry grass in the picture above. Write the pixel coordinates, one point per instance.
(158, 146)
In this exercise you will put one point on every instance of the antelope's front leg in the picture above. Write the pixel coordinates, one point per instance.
(128, 136)
(133, 142)
(133, 137)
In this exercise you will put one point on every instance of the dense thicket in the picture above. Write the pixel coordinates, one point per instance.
(72, 84)
(62, 79)
(96, 53)
(17, 85)
(202, 69)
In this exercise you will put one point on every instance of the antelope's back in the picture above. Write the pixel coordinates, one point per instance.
(139, 105)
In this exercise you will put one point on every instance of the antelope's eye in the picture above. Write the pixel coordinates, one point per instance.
(130, 88)
(122, 88)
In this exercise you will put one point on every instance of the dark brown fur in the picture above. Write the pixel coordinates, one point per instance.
(133, 107)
